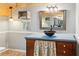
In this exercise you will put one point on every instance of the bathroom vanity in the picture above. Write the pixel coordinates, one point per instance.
(65, 43)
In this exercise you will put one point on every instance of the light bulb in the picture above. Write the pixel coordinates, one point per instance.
(56, 9)
(11, 19)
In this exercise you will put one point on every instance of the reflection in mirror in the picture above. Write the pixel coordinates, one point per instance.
(25, 18)
(57, 20)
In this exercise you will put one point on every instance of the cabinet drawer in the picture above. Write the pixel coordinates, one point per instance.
(65, 52)
(65, 45)
(66, 48)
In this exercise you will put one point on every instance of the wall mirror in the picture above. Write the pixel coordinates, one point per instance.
(57, 20)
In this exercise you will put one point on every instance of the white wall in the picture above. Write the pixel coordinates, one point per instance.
(15, 25)
(16, 40)
(77, 26)
(3, 23)
(35, 25)
(3, 29)
(3, 39)
(70, 16)
(77, 19)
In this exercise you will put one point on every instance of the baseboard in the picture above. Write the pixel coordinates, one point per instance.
(3, 50)
(12, 49)
(17, 50)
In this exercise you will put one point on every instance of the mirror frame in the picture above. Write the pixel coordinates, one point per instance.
(47, 28)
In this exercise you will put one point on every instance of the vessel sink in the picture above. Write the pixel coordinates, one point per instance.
(49, 33)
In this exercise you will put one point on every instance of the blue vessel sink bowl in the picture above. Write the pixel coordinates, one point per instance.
(49, 33)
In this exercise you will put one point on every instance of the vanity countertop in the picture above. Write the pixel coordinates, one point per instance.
(56, 37)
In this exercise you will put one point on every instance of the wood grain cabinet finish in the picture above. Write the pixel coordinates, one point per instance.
(66, 48)
(30, 47)
(63, 48)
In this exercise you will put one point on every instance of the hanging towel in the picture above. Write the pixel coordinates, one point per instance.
(44, 48)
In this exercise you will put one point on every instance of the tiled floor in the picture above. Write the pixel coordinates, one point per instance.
(12, 53)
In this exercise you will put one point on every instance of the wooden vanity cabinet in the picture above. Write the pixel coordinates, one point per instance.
(63, 48)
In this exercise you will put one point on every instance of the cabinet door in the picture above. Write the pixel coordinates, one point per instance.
(66, 48)
(65, 52)
(30, 47)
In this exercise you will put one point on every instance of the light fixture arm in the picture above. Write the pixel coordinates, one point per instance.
(11, 19)
(52, 8)
(10, 11)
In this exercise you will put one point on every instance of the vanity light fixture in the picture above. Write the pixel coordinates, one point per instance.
(11, 19)
(52, 8)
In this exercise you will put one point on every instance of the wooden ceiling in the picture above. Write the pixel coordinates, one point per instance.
(5, 11)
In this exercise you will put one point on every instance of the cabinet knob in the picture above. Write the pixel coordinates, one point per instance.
(64, 52)
(64, 45)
